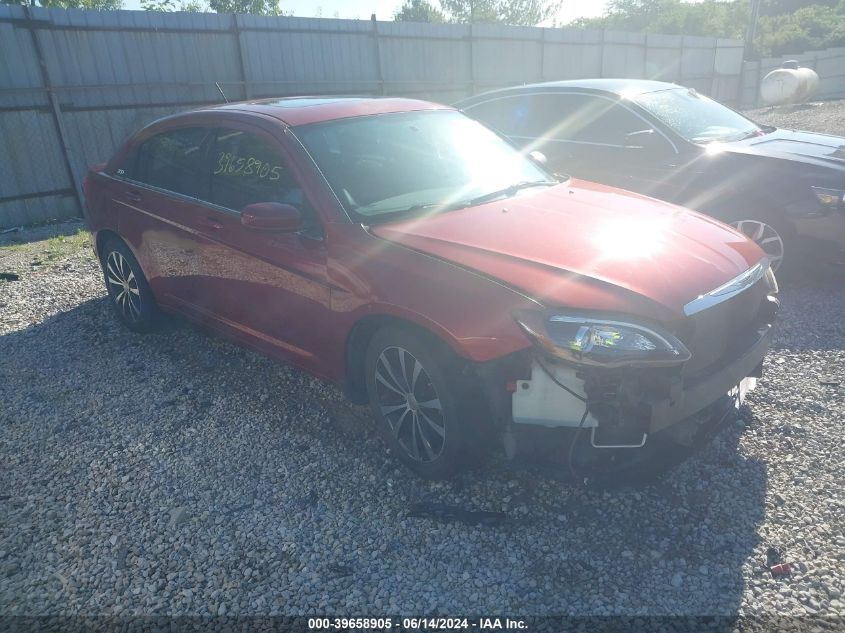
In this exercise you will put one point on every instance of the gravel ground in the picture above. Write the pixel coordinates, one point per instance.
(174, 473)
(825, 116)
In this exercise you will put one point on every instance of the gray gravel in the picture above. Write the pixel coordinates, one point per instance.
(174, 473)
(178, 474)
(821, 116)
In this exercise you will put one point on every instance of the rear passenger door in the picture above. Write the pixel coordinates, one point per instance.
(268, 288)
(161, 184)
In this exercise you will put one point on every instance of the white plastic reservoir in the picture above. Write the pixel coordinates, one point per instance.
(789, 84)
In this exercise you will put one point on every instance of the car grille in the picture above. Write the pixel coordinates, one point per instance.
(725, 330)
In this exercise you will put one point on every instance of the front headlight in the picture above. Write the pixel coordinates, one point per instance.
(829, 198)
(584, 340)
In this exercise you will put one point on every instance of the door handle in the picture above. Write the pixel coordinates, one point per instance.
(211, 223)
(133, 196)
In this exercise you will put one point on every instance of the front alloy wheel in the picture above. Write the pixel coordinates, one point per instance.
(419, 396)
(765, 236)
(410, 405)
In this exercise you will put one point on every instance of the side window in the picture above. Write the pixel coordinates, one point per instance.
(582, 118)
(246, 169)
(175, 161)
(507, 115)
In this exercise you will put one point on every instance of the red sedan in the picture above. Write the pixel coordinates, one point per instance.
(414, 257)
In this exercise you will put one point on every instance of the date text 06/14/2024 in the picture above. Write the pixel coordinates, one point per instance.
(430, 624)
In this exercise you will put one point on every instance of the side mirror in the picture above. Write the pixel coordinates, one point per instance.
(643, 139)
(538, 157)
(271, 216)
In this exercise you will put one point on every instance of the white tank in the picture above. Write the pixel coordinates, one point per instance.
(789, 84)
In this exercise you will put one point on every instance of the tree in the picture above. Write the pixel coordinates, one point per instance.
(785, 27)
(519, 12)
(254, 7)
(192, 6)
(98, 5)
(419, 11)
(810, 28)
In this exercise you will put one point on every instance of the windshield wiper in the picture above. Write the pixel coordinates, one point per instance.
(454, 206)
(507, 191)
(390, 214)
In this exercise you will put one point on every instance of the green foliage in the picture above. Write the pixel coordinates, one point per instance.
(519, 12)
(98, 5)
(254, 7)
(192, 6)
(784, 27)
(810, 28)
(419, 11)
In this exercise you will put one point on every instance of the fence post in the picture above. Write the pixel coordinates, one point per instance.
(681, 62)
(377, 51)
(471, 60)
(56, 110)
(236, 31)
(713, 71)
(543, 54)
(603, 46)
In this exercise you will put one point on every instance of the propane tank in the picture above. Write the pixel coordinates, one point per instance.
(789, 84)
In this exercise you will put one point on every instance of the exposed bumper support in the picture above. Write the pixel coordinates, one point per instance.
(541, 401)
(692, 395)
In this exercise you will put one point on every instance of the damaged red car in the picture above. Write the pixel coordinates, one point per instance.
(416, 258)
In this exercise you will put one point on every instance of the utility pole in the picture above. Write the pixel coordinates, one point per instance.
(751, 33)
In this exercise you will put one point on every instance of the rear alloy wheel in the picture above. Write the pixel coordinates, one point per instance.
(765, 236)
(129, 292)
(124, 286)
(416, 394)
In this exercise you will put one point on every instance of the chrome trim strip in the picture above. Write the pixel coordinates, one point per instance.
(728, 290)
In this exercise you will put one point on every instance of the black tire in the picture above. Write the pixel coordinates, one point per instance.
(132, 303)
(432, 442)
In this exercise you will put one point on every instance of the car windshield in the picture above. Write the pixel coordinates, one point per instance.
(388, 164)
(695, 117)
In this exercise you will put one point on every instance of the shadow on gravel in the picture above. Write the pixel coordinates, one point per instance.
(250, 484)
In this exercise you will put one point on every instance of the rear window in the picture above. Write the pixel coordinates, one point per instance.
(175, 161)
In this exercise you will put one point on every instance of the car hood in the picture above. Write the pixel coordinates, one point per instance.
(587, 246)
(807, 147)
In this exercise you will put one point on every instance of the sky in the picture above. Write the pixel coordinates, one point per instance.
(362, 9)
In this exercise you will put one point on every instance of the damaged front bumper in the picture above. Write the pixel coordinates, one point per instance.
(541, 400)
(604, 414)
(595, 392)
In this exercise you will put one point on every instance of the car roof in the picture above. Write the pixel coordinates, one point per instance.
(615, 86)
(294, 111)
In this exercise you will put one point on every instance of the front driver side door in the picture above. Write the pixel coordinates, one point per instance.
(267, 288)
